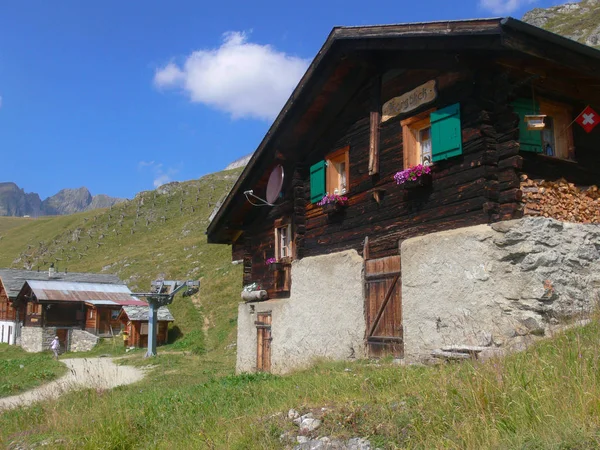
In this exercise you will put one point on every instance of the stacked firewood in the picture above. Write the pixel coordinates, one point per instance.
(560, 200)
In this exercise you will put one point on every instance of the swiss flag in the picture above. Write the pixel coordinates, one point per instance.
(588, 119)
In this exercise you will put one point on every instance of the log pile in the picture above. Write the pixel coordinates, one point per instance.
(560, 200)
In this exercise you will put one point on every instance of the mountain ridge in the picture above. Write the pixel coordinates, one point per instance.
(15, 202)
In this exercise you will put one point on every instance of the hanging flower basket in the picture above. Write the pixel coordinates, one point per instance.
(333, 203)
(414, 177)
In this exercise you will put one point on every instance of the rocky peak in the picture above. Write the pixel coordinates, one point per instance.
(579, 21)
(67, 201)
(14, 201)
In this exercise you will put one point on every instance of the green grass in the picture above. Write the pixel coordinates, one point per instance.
(20, 371)
(6, 223)
(139, 240)
(545, 398)
(151, 235)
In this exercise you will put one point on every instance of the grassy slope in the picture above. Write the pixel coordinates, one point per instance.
(175, 247)
(37, 368)
(547, 397)
(578, 25)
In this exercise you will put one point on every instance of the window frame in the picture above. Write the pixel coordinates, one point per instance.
(287, 225)
(562, 130)
(332, 174)
(411, 147)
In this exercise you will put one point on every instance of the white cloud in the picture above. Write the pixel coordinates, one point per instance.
(504, 6)
(161, 179)
(143, 164)
(161, 175)
(241, 78)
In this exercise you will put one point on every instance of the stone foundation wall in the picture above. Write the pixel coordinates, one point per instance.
(498, 286)
(323, 318)
(37, 339)
(82, 341)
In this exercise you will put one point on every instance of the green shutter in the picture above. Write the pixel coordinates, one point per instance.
(531, 141)
(446, 137)
(317, 181)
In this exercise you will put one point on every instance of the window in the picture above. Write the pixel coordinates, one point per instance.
(557, 135)
(283, 240)
(338, 168)
(330, 176)
(416, 135)
(91, 313)
(114, 314)
(432, 136)
(556, 138)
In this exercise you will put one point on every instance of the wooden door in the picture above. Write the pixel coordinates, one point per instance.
(63, 338)
(383, 306)
(263, 342)
(104, 319)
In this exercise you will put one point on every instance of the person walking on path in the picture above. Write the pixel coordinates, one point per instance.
(55, 346)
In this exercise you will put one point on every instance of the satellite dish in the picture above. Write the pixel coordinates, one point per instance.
(275, 183)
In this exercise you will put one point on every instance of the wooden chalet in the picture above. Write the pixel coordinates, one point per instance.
(12, 281)
(135, 323)
(94, 307)
(8, 317)
(460, 97)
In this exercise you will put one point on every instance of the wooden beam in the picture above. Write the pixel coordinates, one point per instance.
(374, 126)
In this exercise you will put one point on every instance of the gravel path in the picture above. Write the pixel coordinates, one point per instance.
(97, 373)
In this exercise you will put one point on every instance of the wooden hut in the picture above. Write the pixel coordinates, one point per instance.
(135, 322)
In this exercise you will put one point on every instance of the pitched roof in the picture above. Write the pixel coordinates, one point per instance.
(14, 279)
(63, 291)
(135, 313)
(321, 85)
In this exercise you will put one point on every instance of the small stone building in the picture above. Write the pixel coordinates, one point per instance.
(135, 322)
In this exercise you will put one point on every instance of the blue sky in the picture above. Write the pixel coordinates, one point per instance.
(121, 96)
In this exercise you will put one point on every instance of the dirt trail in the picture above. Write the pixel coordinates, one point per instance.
(96, 373)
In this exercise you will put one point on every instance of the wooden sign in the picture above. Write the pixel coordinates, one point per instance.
(426, 93)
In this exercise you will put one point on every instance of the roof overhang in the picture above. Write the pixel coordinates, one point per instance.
(344, 63)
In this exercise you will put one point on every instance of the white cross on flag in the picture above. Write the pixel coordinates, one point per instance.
(588, 119)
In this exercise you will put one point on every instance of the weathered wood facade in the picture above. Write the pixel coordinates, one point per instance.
(93, 307)
(103, 321)
(8, 317)
(484, 69)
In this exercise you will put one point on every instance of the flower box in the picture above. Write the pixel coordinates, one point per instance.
(414, 177)
(422, 181)
(333, 203)
(332, 208)
(276, 266)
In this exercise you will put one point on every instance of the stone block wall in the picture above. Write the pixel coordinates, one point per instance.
(82, 341)
(323, 318)
(37, 339)
(497, 287)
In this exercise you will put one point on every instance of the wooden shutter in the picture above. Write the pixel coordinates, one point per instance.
(317, 181)
(446, 137)
(530, 140)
